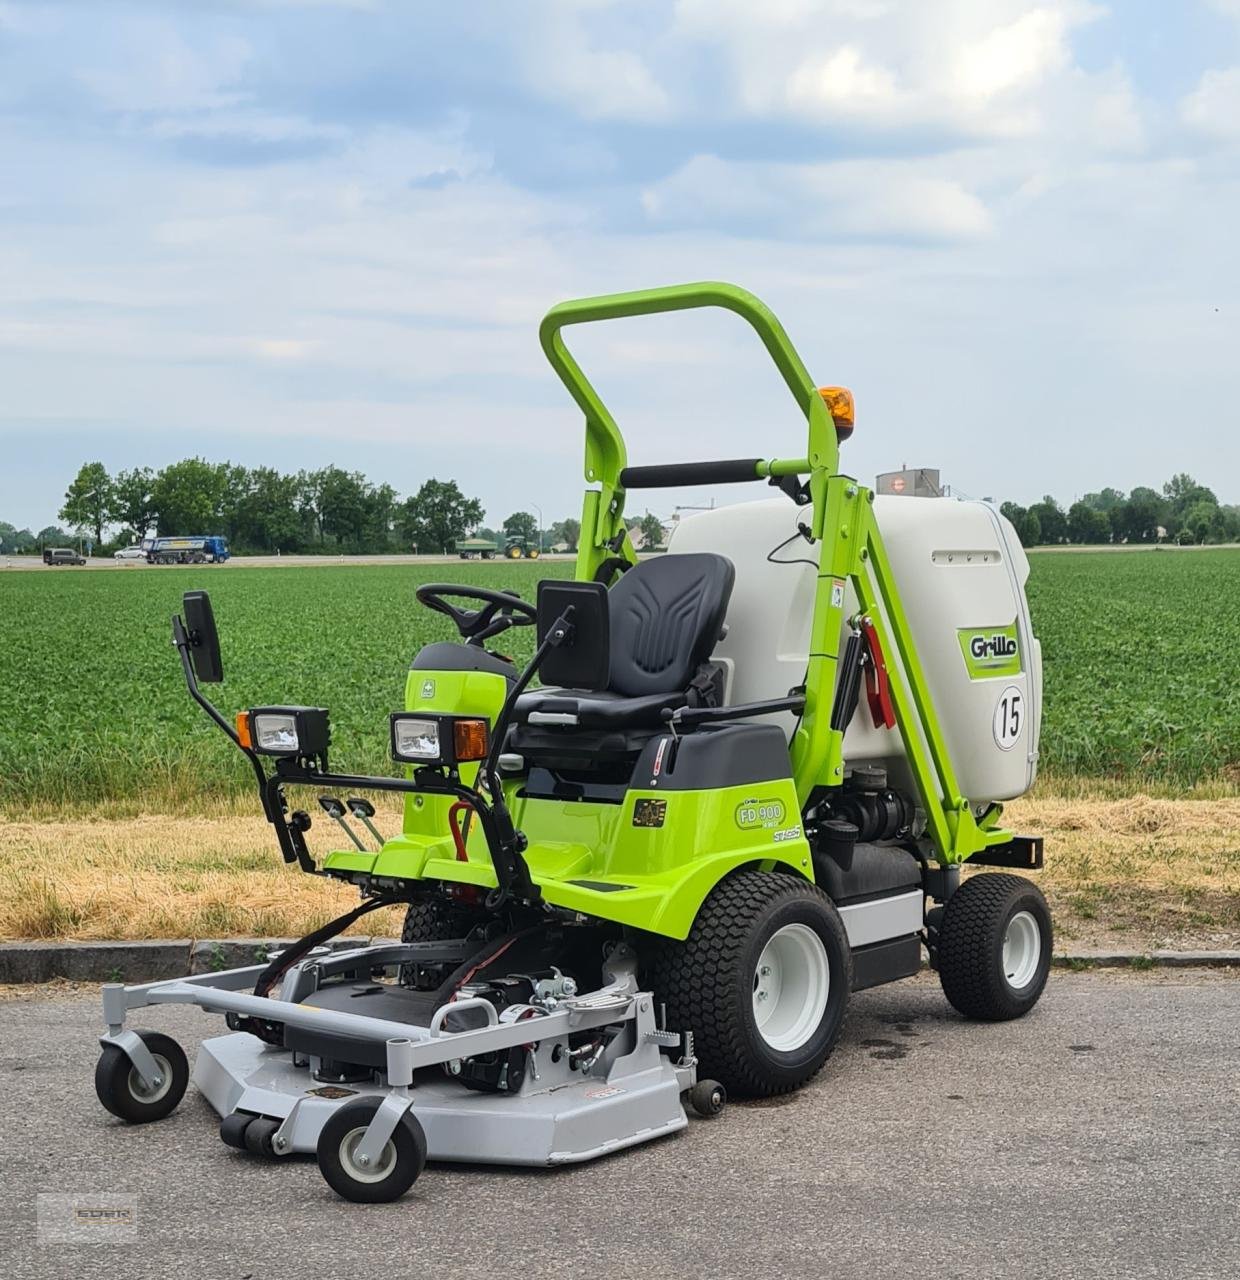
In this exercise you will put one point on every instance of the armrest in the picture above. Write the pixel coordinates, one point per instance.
(691, 717)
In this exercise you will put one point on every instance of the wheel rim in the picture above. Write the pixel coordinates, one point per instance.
(145, 1093)
(790, 987)
(360, 1173)
(1022, 950)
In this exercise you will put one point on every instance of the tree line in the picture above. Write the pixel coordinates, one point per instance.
(1184, 512)
(263, 510)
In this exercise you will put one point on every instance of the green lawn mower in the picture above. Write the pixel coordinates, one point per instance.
(735, 784)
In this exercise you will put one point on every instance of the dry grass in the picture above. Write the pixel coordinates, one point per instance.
(161, 877)
(1138, 871)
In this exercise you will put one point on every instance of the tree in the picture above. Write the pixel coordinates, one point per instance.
(1051, 520)
(521, 525)
(566, 531)
(342, 505)
(131, 504)
(437, 515)
(1027, 526)
(1139, 518)
(1106, 501)
(15, 541)
(88, 500)
(652, 530)
(1203, 522)
(1087, 524)
(187, 496)
(53, 536)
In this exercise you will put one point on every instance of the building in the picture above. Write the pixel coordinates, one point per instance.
(911, 482)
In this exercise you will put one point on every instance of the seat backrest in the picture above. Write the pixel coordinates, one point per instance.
(666, 616)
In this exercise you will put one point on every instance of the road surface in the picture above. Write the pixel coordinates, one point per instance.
(1099, 1137)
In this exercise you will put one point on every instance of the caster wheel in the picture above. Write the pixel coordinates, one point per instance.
(258, 1135)
(121, 1090)
(708, 1098)
(232, 1129)
(388, 1178)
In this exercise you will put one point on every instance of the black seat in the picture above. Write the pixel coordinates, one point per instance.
(665, 618)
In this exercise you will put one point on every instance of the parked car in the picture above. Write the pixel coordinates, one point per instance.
(62, 555)
(129, 553)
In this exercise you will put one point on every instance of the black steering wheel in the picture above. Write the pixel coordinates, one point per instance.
(501, 609)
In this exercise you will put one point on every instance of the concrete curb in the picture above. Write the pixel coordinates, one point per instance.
(134, 962)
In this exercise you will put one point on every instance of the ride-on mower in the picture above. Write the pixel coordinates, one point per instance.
(743, 788)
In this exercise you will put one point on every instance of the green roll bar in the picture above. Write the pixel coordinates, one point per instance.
(850, 547)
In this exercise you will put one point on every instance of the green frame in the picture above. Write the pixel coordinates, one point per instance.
(850, 548)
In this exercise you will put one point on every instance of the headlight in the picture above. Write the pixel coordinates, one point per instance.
(284, 731)
(415, 739)
(447, 740)
(276, 734)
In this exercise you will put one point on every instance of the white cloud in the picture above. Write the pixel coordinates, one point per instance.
(596, 79)
(847, 200)
(1213, 107)
(154, 68)
(987, 70)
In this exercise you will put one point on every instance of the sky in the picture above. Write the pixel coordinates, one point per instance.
(301, 232)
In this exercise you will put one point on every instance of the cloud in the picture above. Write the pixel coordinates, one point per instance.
(849, 200)
(1213, 107)
(979, 70)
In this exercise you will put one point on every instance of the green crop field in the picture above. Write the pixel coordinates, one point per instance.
(1141, 657)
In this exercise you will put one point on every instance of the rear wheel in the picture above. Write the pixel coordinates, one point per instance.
(994, 947)
(762, 981)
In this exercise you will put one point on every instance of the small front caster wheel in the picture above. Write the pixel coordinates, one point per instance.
(124, 1093)
(258, 1137)
(708, 1098)
(387, 1178)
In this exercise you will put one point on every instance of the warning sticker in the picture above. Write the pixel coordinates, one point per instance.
(606, 1091)
(837, 593)
(332, 1092)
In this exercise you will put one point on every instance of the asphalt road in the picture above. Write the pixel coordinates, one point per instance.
(1098, 1137)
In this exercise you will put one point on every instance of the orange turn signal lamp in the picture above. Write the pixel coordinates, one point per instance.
(420, 737)
(839, 402)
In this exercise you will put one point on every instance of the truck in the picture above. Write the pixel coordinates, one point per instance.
(191, 549)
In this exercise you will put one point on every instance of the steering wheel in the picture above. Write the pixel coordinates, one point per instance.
(500, 610)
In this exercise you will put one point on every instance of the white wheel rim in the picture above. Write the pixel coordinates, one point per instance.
(142, 1091)
(348, 1158)
(790, 987)
(1022, 950)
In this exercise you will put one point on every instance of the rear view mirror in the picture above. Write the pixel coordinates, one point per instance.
(204, 641)
(583, 661)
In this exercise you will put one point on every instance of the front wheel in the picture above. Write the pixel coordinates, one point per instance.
(126, 1095)
(762, 981)
(347, 1171)
(994, 947)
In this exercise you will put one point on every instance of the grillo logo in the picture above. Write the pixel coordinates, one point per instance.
(995, 646)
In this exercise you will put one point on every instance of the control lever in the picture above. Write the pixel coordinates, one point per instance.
(334, 809)
(363, 811)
